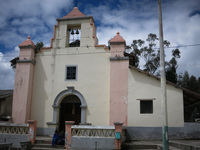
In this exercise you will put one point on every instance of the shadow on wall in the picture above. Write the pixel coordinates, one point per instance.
(39, 96)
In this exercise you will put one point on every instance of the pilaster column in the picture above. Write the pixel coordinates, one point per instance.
(118, 129)
(32, 131)
(68, 126)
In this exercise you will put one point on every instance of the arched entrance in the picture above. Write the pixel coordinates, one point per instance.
(58, 102)
(70, 110)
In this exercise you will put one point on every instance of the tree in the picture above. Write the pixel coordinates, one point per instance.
(199, 85)
(193, 84)
(189, 82)
(171, 66)
(184, 79)
(38, 46)
(147, 53)
(151, 57)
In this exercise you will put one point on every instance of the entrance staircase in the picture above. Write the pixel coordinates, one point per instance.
(44, 143)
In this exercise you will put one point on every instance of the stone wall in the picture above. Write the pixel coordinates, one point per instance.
(15, 139)
(93, 143)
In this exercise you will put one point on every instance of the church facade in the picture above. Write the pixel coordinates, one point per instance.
(75, 79)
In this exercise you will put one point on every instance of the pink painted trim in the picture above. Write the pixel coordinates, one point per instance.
(54, 36)
(93, 32)
(103, 45)
(68, 131)
(118, 85)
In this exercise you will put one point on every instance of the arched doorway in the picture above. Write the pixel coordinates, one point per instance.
(58, 100)
(70, 110)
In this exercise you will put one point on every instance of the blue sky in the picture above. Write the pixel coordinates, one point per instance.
(134, 19)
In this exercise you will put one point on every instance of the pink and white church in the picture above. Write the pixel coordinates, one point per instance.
(76, 79)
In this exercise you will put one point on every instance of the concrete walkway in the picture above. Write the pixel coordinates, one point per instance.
(188, 142)
(142, 145)
(173, 145)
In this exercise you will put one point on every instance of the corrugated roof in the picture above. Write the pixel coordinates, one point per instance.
(5, 93)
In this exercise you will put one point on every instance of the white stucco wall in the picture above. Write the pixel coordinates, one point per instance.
(142, 86)
(93, 80)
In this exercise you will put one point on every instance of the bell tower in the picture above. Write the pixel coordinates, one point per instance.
(74, 30)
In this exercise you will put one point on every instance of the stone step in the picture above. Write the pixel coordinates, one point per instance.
(132, 146)
(43, 145)
(183, 145)
(43, 139)
(160, 147)
(42, 148)
(47, 146)
(127, 146)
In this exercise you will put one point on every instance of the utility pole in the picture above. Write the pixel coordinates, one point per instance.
(163, 83)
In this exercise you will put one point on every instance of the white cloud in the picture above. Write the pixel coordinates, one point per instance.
(7, 74)
(22, 18)
(37, 18)
(180, 27)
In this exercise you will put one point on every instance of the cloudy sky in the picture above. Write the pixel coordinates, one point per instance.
(134, 19)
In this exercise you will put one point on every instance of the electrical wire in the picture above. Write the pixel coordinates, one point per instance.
(112, 18)
(189, 45)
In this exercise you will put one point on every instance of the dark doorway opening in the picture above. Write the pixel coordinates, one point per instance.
(70, 110)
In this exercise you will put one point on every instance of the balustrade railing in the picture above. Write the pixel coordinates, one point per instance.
(93, 131)
(14, 128)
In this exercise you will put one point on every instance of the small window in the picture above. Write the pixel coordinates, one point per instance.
(146, 106)
(71, 72)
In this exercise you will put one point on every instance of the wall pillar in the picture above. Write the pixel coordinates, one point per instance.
(22, 95)
(118, 128)
(32, 131)
(118, 81)
(68, 126)
(83, 110)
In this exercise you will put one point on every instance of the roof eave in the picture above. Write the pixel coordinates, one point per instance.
(168, 82)
(75, 18)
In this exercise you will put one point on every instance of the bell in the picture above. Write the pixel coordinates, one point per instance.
(72, 32)
(77, 32)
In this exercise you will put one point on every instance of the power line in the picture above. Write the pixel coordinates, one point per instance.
(119, 15)
(189, 45)
(112, 18)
